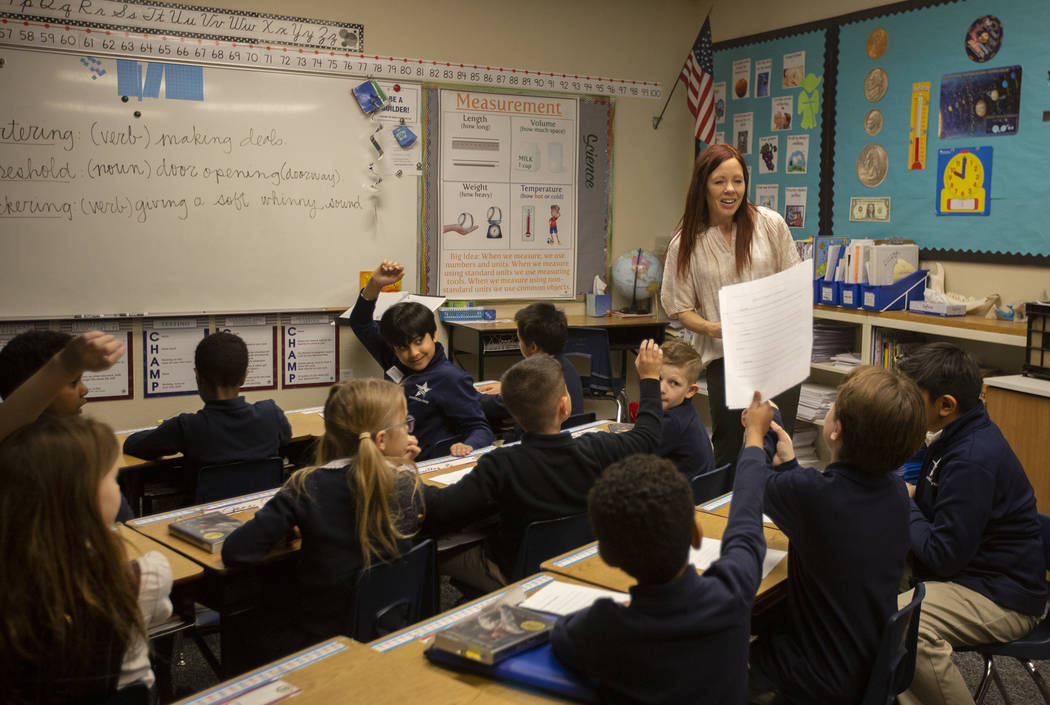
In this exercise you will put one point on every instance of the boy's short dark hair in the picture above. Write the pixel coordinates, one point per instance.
(642, 514)
(683, 356)
(883, 419)
(543, 325)
(221, 359)
(943, 368)
(404, 322)
(531, 389)
(25, 354)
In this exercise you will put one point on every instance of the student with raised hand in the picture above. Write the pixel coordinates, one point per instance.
(41, 370)
(75, 610)
(847, 529)
(546, 476)
(361, 505)
(974, 529)
(440, 396)
(684, 637)
(228, 428)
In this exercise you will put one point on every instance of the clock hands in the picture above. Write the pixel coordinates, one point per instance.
(961, 174)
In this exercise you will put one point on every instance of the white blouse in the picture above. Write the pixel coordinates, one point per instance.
(155, 603)
(713, 265)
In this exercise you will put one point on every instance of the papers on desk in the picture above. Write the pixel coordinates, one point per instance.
(711, 549)
(767, 334)
(451, 478)
(566, 598)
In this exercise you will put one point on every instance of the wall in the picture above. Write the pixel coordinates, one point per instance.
(619, 38)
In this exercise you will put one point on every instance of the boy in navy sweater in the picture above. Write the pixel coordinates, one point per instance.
(546, 476)
(685, 441)
(541, 329)
(848, 532)
(684, 637)
(228, 428)
(975, 536)
(441, 397)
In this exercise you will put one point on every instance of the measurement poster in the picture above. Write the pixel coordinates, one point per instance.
(508, 196)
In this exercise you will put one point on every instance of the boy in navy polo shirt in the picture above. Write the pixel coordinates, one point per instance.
(684, 637)
(441, 397)
(974, 533)
(848, 533)
(541, 329)
(228, 429)
(685, 441)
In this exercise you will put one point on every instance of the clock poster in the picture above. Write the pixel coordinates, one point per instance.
(964, 181)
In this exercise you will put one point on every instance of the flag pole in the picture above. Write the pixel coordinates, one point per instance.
(658, 118)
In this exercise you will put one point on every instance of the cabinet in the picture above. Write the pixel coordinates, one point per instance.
(1020, 406)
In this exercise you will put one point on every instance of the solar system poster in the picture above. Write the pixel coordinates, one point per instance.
(984, 103)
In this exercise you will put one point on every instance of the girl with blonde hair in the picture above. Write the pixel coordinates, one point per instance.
(360, 505)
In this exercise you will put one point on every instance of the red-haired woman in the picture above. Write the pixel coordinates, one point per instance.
(723, 239)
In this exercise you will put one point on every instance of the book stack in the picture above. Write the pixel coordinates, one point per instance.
(831, 338)
(805, 443)
(814, 401)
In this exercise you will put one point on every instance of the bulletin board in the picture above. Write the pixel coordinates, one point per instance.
(998, 103)
(779, 83)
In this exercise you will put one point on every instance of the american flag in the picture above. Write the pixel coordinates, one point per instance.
(698, 76)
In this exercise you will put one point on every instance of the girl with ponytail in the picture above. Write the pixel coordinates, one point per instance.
(359, 505)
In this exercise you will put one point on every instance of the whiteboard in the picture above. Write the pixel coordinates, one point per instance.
(258, 196)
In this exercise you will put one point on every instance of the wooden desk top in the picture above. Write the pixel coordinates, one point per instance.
(305, 423)
(243, 508)
(584, 564)
(183, 570)
(507, 324)
(335, 670)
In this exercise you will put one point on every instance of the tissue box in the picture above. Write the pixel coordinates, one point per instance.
(938, 309)
(599, 304)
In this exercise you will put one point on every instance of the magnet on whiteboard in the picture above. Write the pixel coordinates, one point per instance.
(398, 173)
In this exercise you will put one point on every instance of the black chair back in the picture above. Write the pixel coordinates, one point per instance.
(593, 343)
(390, 596)
(215, 482)
(546, 539)
(711, 484)
(578, 420)
(895, 661)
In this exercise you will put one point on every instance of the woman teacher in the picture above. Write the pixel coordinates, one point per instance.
(723, 239)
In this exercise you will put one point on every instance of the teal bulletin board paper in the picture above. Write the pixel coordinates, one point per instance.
(925, 45)
(812, 43)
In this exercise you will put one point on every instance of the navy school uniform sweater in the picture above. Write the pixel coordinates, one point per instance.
(685, 441)
(547, 476)
(685, 641)
(441, 397)
(224, 431)
(848, 545)
(330, 556)
(497, 414)
(974, 520)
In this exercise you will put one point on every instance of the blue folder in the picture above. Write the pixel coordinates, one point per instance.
(536, 668)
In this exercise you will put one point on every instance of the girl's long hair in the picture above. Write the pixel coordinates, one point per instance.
(68, 594)
(356, 407)
(697, 216)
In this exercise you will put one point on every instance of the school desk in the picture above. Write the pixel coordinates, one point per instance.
(405, 647)
(342, 670)
(183, 570)
(586, 565)
(482, 339)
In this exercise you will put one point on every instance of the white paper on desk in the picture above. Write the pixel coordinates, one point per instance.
(711, 549)
(451, 478)
(267, 693)
(767, 334)
(565, 598)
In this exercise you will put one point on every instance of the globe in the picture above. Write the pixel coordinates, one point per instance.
(649, 273)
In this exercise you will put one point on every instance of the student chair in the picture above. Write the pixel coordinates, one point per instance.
(711, 484)
(546, 539)
(215, 482)
(593, 344)
(1035, 646)
(895, 660)
(390, 596)
(578, 420)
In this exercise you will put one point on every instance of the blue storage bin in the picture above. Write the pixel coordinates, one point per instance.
(893, 297)
(830, 293)
(816, 290)
(849, 295)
